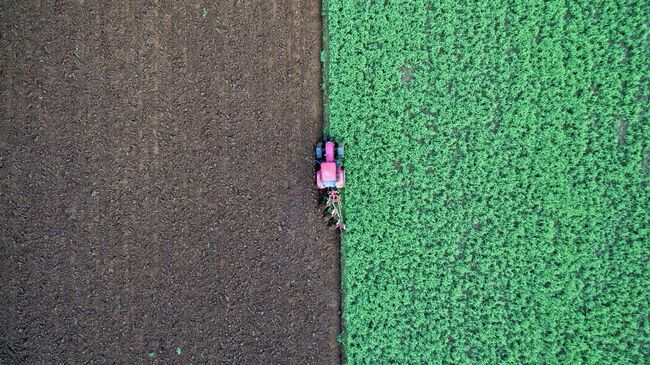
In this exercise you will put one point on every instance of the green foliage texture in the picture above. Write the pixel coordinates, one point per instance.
(497, 156)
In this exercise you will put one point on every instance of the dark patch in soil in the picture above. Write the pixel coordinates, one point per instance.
(621, 132)
(397, 165)
(157, 185)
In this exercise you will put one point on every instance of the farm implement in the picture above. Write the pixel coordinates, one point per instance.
(330, 177)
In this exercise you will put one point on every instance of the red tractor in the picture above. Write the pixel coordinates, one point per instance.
(330, 177)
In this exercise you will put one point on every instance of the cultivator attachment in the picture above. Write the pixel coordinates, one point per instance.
(334, 210)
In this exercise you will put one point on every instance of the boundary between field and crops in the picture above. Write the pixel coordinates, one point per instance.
(325, 79)
(325, 58)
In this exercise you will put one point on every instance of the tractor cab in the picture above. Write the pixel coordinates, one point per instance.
(330, 173)
(330, 177)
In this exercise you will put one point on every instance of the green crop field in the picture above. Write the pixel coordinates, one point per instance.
(497, 156)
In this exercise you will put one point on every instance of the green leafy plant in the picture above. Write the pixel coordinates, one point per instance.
(497, 179)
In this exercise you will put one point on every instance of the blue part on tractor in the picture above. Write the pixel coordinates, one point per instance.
(339, 162)
(339, 151)
(319, 151)
(330, 183)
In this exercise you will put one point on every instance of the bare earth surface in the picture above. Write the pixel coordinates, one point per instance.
(156, 185)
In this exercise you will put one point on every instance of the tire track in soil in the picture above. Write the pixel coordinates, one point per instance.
(157, 185)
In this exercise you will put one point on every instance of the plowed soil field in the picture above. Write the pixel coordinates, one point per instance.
(156, 185)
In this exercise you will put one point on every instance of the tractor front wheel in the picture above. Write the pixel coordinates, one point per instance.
(340, 151)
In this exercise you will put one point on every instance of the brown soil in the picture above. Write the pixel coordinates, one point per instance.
(156, 185)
